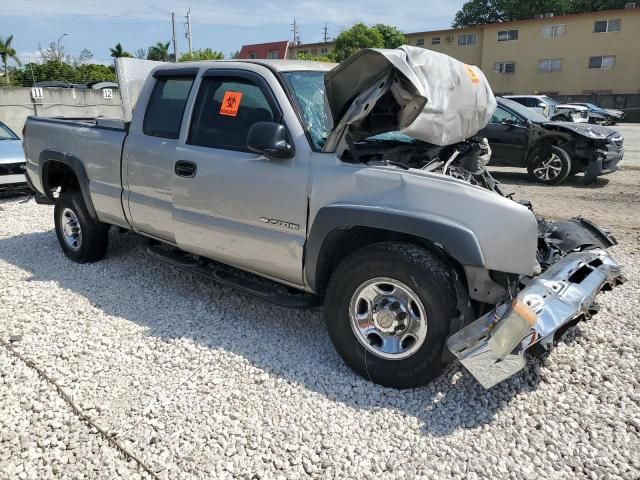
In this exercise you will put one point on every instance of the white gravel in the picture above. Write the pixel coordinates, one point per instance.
(203, 382)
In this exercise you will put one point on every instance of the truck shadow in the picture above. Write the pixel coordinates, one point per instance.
(290, 344)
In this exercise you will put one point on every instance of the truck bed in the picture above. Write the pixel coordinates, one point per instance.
(97, 143)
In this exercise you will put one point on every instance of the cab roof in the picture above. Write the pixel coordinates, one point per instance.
(277, 65)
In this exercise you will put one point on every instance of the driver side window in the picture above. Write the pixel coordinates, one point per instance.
(225, 110)
(501, 115)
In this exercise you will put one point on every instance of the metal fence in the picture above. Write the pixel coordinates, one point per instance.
(63, 72)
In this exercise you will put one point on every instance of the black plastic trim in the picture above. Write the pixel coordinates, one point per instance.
(176, 72)
(85, 122)
(247, 283)
(47, 156)
(457, 241)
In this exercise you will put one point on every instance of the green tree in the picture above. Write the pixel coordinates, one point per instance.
(202, 54)
(391, 36)
(7, 52)
(357, 37)
(92, 72)
(118, 51)
(478, 12)
(159, 52)
(313, 58)
(54, 53)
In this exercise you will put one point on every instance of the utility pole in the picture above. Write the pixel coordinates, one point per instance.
(296, 32)
(326, 33)
(175, 43)
(188, 33)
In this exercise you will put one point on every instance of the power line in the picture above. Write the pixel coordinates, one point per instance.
(188, 32)
(167, 9)
(175, 43)
(325, 33)
(296, 32)
(142, 20)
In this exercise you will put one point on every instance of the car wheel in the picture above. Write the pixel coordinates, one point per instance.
(389, 309)
(549, 166)
(82, 238)
(562, 118)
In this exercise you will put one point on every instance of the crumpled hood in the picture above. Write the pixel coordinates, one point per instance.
(596, 132)
(424, 94)
(11, 151)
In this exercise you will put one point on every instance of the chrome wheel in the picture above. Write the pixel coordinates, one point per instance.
(388, 318)
(549, 169)
(71, 231)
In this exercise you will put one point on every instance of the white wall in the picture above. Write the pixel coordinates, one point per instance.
(16, 104)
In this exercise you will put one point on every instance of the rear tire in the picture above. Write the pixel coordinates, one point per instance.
(392, 272)
(551, 167)
(82, 239)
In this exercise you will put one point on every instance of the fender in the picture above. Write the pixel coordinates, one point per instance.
(73, 162)
(457, 240)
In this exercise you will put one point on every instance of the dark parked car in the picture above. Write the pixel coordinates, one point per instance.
(550, 151)
(606, 115)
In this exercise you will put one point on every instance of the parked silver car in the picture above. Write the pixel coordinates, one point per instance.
(554, 110)
(12, 162)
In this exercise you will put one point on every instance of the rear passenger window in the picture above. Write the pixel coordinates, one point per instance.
(225, 110)
(163, 116)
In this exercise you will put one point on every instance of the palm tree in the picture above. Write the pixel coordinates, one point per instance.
(118, 51)
(7, 52)
(159, 52)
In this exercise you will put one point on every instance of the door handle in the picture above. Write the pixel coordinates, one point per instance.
(185, 168)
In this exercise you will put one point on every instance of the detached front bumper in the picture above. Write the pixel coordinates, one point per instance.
(607, 159)
(493, 347)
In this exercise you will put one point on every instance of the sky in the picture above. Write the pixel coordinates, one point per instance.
(223, 25)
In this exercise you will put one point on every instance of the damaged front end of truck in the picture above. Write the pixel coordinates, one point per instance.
(575, 267)
(378, 99)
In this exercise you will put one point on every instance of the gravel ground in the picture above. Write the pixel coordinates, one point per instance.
(202, 382)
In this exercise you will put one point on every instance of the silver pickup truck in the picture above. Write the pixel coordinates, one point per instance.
(303, 182)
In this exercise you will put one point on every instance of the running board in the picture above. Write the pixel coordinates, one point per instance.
(244, 282)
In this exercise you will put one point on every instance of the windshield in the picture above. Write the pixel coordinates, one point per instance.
(308, 90)
(522, 111)
(549, 101)
(6, 133)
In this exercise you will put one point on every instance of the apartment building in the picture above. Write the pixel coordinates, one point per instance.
(580, 54)
(271, 50)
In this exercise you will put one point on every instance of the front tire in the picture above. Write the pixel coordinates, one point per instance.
(550, 167)
(389, 309)
(82, 239)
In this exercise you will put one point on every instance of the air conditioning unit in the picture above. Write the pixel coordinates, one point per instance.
(448, 38)
(630, 5)
(548, 15)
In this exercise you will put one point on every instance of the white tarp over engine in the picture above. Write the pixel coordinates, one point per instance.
(424, 94)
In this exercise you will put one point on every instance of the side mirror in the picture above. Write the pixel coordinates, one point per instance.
(269, 139)
(542, 105)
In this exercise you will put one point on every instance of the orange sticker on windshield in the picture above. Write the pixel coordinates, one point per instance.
(472, 75)
(230, 103)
